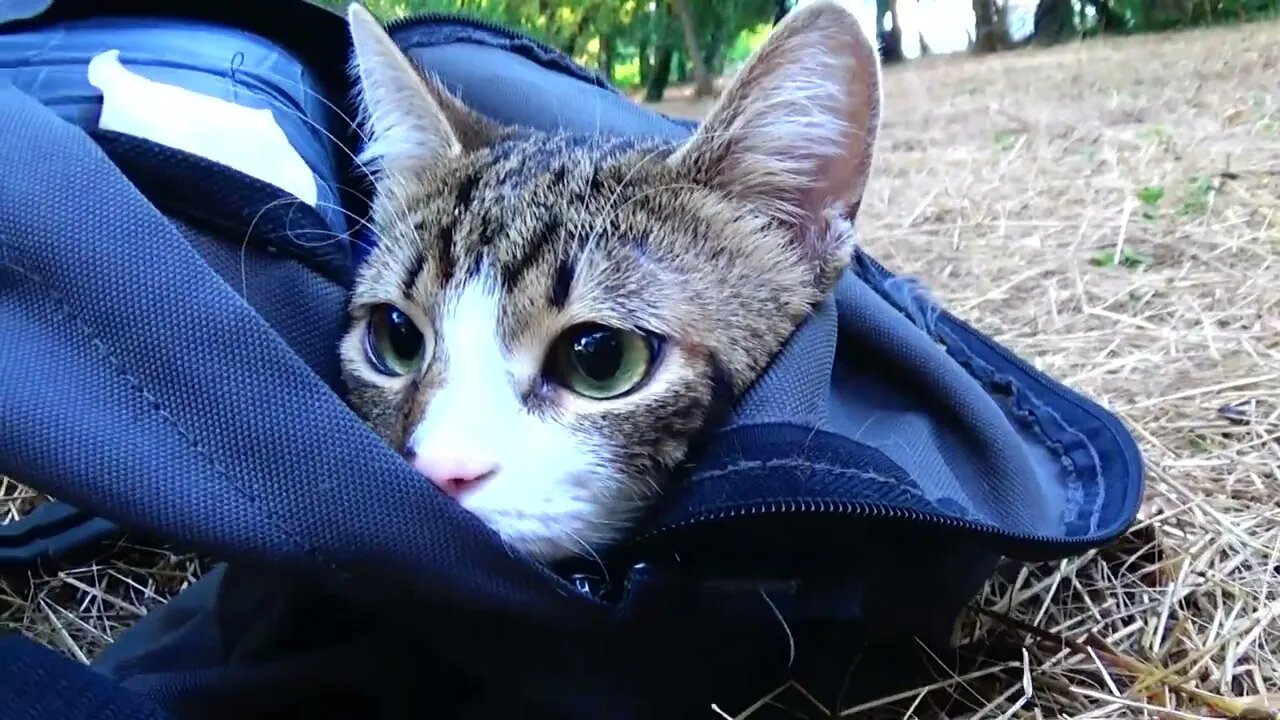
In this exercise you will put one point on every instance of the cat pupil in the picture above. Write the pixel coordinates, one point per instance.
(405, 339)
(598, 354)
(393, 343)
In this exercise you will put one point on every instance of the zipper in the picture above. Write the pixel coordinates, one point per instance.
(863, 511)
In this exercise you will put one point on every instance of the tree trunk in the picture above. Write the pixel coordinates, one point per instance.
(571, 44)
(1004, 38)
(659, 73)
(702, 79)
(713, 55)
(646, 63)
(924, 46)
(986, 37)
(890, 38)
(1054, 22)
(1109, 19)
(606, 57)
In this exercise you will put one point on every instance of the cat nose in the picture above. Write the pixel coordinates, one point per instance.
(453, 472)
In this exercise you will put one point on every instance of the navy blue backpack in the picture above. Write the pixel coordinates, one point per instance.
(168, 369)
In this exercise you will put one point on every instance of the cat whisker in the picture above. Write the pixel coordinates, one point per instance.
(590, 553)
(356, 219)
(244, 245)
(331, 235)
(296, 86)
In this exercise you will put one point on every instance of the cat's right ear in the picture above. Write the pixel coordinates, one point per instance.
(411, 123)
(794, 132)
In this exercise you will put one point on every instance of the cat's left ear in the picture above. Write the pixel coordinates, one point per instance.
(793, 134)
(411, 122)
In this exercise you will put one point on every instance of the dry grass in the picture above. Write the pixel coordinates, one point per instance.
(1009, 184)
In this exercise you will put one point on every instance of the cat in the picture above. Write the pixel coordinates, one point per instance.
(546, 321)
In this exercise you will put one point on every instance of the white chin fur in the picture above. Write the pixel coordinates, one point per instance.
(549, 500)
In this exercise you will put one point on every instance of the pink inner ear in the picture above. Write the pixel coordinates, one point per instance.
(795, 131)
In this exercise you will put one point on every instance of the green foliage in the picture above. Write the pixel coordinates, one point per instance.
(1150, 197)
(746, 43)
(1126, 258)
(1200, 195)
(625, 39)
(1142, 16)
(1006, 139)
(1158, 15)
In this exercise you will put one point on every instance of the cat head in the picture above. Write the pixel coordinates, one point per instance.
(547, 320)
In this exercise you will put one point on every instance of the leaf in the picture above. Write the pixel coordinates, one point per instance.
(1202, 190)
(1006, 139)
(1129, 258)
(1150, 194)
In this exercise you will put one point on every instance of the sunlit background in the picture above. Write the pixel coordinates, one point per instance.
(947, 26)
(647, 46)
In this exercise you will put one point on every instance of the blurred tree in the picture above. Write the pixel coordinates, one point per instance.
(1107, 19)
(644, 42)
(701, 78)
(890, 35)
(986, 38)
(632, 42)
(660, 39)
(1055, 21)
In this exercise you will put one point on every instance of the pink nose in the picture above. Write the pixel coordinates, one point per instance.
(451, 472)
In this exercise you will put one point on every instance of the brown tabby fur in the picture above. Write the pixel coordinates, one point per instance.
(721, 245)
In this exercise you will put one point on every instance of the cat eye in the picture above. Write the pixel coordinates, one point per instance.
(393, 342)
(601, 362)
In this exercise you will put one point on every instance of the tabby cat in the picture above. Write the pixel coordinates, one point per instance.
(547, 320)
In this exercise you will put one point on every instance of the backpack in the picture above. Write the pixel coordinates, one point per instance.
(168, 369)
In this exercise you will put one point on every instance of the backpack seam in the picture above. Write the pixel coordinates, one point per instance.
(154, 402)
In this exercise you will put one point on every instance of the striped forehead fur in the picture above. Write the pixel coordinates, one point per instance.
(606, 224)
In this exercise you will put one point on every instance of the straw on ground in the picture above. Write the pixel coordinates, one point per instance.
(1106, 210)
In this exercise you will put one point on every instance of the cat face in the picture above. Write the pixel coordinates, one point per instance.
(547, 320)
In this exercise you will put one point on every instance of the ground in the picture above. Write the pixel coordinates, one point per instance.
(1104, 209)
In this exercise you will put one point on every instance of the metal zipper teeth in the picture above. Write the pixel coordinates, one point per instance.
(860, 510)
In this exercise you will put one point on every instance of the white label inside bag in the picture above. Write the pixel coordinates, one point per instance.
(247, 139)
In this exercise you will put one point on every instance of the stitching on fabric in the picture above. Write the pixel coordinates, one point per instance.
(154, 403)
(1096, 511)
(796, 462)
(1020, 400)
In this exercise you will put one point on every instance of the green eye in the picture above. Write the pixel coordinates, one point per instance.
(395, 345)
(601, 362)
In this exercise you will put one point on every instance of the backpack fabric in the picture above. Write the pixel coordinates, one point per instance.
(168, 364)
